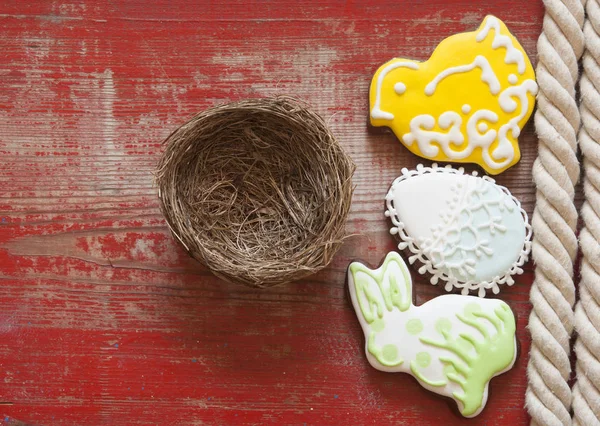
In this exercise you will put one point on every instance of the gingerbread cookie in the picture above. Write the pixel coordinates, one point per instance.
(461, 229)
(466, 104)
(453, 344)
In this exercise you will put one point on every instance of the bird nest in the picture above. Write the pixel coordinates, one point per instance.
(257, 190)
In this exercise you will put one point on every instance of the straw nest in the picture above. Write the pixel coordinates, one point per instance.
(257, 190)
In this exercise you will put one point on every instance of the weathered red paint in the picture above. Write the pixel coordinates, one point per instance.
(104, 319)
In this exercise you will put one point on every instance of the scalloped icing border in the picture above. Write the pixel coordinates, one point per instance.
(427, 266)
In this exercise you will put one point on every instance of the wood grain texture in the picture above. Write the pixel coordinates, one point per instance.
(104, 319)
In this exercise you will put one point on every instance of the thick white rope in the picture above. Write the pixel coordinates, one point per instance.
(554, 221)
(586, 391)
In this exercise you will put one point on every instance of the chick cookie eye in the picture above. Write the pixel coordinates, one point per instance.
(399, 88)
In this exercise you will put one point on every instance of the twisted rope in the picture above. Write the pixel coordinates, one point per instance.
(586, 391)
(554, 221)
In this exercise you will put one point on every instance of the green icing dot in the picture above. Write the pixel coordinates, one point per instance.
(443, 325)
(414, 326)
(390, 352)
(423, 359)
(472, 307)
(378, 325)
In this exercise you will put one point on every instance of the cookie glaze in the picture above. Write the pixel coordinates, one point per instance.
(466, 104)
(453, 344)
(461, 229)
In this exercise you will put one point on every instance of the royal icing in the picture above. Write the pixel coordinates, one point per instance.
(376, 112)
(462, 229)
(467, 103)
(453, 344)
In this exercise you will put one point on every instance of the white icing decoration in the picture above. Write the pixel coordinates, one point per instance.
(399, 88)
(430, 141)
(487, 75)
(376, 112)
(466, 108)
(512, 79)
(505, 148)
(390, 327)
(513, 55)
(420, 130)
(464, 230)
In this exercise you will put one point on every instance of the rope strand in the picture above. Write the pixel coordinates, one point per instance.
(586, 391)
(554, 221)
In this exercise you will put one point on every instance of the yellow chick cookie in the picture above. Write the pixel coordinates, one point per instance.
(466, 104)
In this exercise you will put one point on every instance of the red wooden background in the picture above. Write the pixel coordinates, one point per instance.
(103, 318)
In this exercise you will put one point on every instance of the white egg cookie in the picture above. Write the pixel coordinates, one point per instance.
(461, 229)
(453, 344)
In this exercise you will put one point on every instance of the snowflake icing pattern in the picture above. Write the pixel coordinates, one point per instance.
(458, 240)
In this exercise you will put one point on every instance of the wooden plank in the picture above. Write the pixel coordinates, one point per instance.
(104, 319)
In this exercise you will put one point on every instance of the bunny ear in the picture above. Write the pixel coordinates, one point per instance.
(385, 288)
